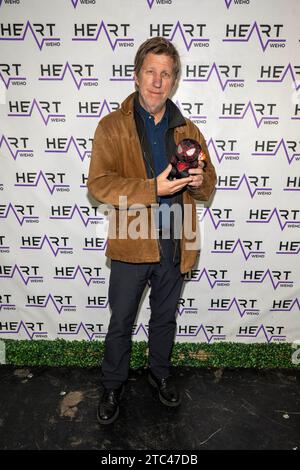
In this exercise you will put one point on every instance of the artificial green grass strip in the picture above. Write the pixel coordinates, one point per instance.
(89, 354)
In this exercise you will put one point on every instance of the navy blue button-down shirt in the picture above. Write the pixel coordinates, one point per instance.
(156, 138)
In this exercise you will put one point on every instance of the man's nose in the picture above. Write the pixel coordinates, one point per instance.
(157, 81)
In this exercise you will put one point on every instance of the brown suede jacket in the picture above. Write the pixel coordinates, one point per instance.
(117, 168)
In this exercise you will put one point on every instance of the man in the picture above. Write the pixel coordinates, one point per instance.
(131, 150)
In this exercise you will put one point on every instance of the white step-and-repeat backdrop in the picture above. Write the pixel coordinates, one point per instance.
(64, 64)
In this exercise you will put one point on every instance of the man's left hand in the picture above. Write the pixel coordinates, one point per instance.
(197, 174)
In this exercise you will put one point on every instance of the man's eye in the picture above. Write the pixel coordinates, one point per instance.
(166, 75)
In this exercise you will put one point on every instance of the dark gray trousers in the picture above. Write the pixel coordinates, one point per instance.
(126, 286)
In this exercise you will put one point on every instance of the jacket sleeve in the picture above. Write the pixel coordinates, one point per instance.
(105, 183)
(206, 189)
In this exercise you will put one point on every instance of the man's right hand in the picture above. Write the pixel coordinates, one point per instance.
(166, 187)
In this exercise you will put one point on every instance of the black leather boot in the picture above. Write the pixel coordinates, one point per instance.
(108, 408)
(167, 392)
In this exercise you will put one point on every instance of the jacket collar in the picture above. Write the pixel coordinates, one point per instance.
(176, 119)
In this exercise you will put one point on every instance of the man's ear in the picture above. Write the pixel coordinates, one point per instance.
(176, 81)
(175, 86)
(136, 79)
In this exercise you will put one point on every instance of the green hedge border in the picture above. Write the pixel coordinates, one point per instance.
(60, 352)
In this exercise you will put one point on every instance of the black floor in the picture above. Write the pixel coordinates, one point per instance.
(55, 408)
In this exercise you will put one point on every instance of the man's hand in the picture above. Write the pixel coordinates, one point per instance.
(166, 187)
(197, 175)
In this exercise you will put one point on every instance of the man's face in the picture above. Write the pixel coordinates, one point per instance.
(155, 82)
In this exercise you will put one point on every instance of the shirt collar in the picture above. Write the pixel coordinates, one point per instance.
(146, 115)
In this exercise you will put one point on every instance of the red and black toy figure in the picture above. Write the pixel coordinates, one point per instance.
(186, 156)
